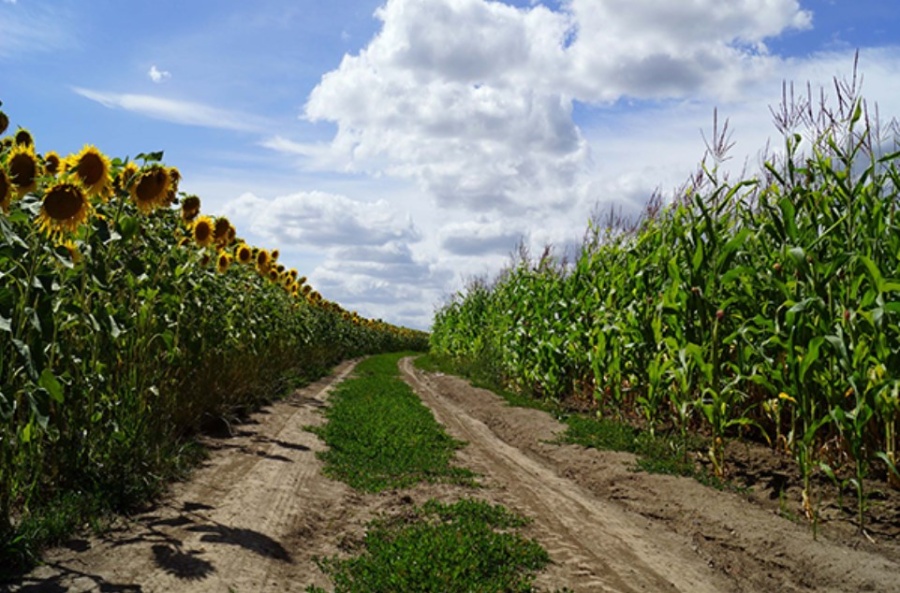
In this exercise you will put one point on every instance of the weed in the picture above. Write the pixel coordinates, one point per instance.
(441, 548)
(381, 436)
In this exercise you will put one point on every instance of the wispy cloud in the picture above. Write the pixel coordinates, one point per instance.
(157, 75)
(180, 112)
(29, 29)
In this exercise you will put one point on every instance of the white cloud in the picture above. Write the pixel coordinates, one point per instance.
(157, 75)
(654, 50)
(483, 120)
(179, 112)
(31, 29)
(322, 220)
(481, 237)
(368, 260)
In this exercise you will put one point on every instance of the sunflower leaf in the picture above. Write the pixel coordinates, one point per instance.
(150, 157)
(128, 227)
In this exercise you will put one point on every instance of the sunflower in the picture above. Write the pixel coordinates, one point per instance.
(123, 180)
(64, 208)
(174, 178)
(71, 248)
(243, 253)
(151, 189)
(222, 231)
(293, 273)
(273, 275)
(23, 138)
(6, 190)
(52, 163)
(202, 229)
(91, 168)
(24, 169)
(262, 261)
(274, 254)
(223, 262)
(190, 208)
(4, 122)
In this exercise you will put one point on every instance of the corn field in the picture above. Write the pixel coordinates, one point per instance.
(767, 307)
(128, 319)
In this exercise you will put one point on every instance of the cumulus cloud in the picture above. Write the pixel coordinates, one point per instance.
(480, 237)
(322, 220)
(483, 120)
(157, 75)
(650, 49)
(368, 260)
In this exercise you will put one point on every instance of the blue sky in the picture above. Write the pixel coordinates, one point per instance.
(392, 150)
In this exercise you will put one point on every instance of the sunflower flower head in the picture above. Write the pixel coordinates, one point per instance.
(190, 208)
(243, 253)
(4, 122)
(275, 255)
(262, 261)
(52, 163)
(223, 261)
(64, 208)
(151, 189)
(91, 169)
(71, 249)
(174, 179)
(202, 230)
(222, 232)
(273, 274)
(6, 189)
(23, 138)
(123, 179)
(24, 169)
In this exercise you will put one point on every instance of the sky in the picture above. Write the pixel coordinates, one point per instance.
(393, 150)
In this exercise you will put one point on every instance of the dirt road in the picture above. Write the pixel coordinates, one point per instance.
(258, 512)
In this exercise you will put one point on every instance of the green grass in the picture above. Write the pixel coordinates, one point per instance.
(380, 436)
(441, 548)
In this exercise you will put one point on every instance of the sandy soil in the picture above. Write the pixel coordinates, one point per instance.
(258, 512)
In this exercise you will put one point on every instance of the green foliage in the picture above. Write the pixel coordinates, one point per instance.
(765, 307)
(120, 338)
(381, 436)
(442, 548)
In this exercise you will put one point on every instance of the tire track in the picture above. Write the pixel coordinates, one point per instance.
(606, 549)
(232, 527)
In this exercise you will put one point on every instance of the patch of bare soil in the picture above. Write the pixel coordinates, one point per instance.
(259, 511)
(610, 528)
(250, 519)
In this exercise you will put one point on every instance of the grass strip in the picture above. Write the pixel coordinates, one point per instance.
(466, 546)
(380, 436)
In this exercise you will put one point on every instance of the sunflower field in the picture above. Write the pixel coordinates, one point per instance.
(766, 307)
(128, 319)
